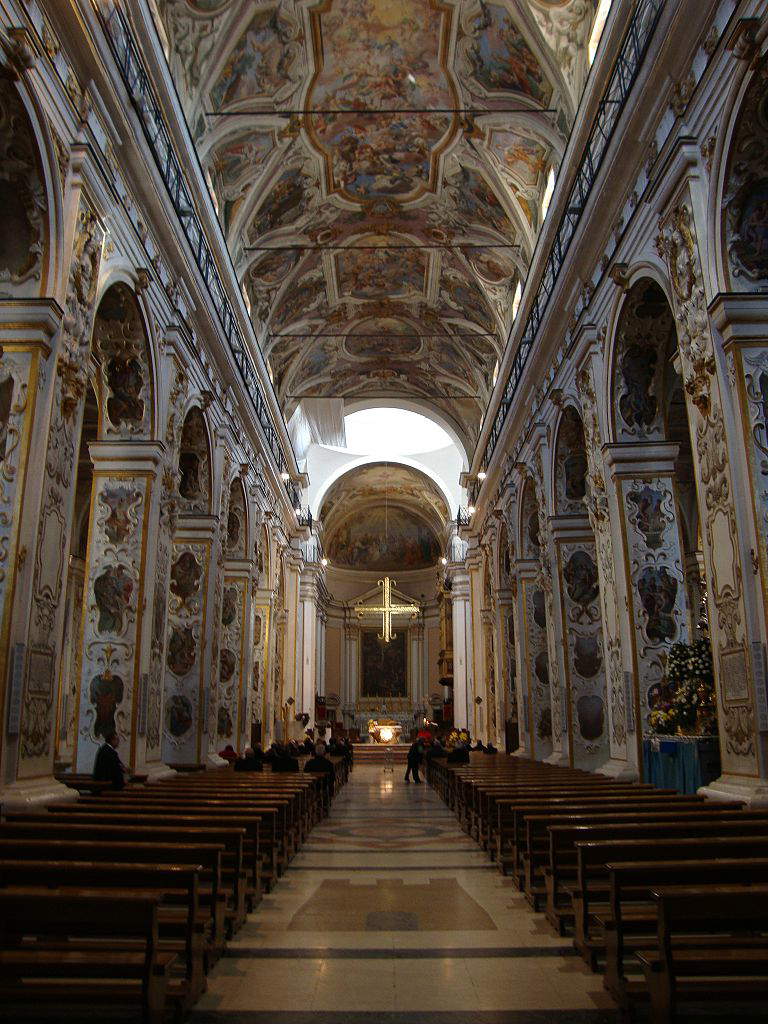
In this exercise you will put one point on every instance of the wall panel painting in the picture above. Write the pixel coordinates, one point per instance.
(384, 666)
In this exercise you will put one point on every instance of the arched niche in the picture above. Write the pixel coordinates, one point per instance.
(237, 521)
(24, 200)
(570, 476)
(744, 202)
(121, 348)
(194, 480)
(644, 345)
(530, 544)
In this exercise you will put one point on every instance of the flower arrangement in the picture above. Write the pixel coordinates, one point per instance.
(687, 703)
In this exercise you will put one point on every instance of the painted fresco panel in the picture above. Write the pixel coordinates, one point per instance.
(184, 650)
(385, 540)
(656, 577)
(537, 669)
(384, 667)
(111, 638)
(582, 628)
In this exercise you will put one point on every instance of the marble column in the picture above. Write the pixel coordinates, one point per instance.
(188, 662)
(581, 625)
(462, 650)
(351, 668)
(119, 585)
(310, 636)
(44, 375)
(742, 322)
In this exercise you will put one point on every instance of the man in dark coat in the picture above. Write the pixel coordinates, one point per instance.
(108, 767)
(415, 755)
(251, 761)
(320, 763)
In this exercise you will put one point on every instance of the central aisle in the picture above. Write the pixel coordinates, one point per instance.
(390, 911)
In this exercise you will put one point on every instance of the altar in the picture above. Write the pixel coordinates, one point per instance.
(385, 731)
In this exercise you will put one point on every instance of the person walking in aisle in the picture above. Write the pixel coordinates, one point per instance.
(415, 757)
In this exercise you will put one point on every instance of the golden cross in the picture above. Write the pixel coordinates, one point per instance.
(387, 609)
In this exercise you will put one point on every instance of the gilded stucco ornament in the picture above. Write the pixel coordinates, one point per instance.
(676, 243)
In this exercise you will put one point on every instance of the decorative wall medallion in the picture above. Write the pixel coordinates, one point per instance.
(227, 664)
(105, 693)
(590, 714)
(652, 516)
(587, 656)
(580, 575)
(121, 502)
(112, 591)
(229, 606)
(178, 715)
(658, 593)
(182, 650)
(186, 573)
(224, 724)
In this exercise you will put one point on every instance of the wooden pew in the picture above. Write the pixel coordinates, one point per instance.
(86, 972)
(746, 825)
(729, 960)
(211, 895)
(48, 826)
(631, 915)
(183, 926)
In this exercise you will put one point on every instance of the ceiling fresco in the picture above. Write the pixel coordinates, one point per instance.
(378, 168)
(384, 516)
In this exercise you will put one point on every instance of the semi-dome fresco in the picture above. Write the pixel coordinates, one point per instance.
(384, 517)
(419, 135)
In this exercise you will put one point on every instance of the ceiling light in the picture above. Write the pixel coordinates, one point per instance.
(297, 510)
(443, 560)
(481, 475)
(410, 78)
(285, 477)
(471, 509)
(323, 561)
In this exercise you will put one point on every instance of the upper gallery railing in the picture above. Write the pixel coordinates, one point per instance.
(623, 76)
(129, 62)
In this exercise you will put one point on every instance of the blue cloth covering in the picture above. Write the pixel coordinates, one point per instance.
(681, 763)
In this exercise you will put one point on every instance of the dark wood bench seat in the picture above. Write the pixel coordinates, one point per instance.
(35, 970)
(184, 926)
(596, 846)
(211, 895)
(233, 879)
(729, 961)
(561, 873)
(629, 916)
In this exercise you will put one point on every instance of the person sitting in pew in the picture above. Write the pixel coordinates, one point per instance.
(459, 754)
(108, 767)
(284, 761)
(229, 753)
(319, 763)
(251, 761)
(490, 749)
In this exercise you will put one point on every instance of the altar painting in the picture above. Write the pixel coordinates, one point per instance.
(384, 666)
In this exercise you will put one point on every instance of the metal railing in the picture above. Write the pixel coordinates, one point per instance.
(623, 77)
(136, 80)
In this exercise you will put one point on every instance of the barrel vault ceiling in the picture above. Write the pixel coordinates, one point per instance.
(439, 210)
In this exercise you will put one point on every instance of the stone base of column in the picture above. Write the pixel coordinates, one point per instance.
(732, 788)
(559, 758)
(521, 751)
(622, 771)
(34, 795)
(214, 761)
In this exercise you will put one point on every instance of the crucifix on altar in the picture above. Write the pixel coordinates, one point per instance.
(386, 609)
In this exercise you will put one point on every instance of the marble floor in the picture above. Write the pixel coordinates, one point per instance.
(391, 914)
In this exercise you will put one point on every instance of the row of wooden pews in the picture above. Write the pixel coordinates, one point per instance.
(128, 898)
(667, 895)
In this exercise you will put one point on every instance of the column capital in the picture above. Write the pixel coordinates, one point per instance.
(134, 456)
(29, 323)
(740, 317)
(655, 458)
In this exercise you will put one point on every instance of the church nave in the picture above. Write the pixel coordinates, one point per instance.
(391, 911)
